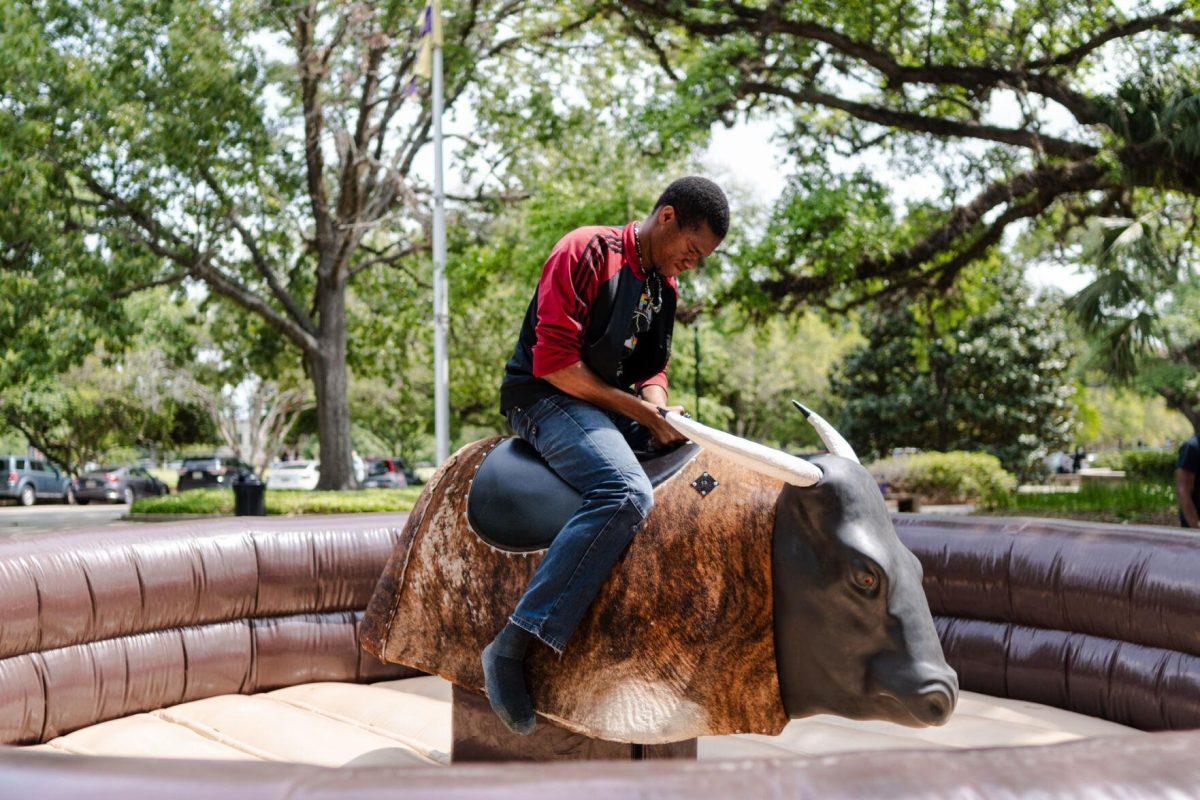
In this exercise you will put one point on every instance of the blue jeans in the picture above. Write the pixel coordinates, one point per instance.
(592, 450)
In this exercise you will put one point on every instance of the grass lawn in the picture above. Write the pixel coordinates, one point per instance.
(1132, 501)
(283, 501)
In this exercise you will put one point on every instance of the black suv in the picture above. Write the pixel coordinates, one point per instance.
(209, 472)
(32, 479)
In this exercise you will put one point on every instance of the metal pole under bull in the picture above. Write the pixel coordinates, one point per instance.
(441, 315)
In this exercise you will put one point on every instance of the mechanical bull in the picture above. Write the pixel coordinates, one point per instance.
(762, 587)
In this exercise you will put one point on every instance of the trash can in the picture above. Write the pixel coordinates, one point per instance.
(249, 496)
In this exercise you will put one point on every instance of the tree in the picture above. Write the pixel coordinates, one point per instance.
(395, 421)
(256, 427)
(44, 329)
(991, 377)
(920, 87)
(1142, 310)
(750, 373)
(265, 151)
(243, 375)
(80, 415)
(1117, 417)
(107, 382)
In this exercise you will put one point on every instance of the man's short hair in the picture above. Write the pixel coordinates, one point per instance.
(697, 200)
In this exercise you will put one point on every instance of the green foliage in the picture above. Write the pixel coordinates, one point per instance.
(43, 239)
(751, 372)
(390, 419)
(1129, 501)
(825, 222)
(1158, 103)
(1157, 466)
(1116, 417)
(182, 111)
(908, 86)
(995, 379)
(954, 477)
(282, 501)
(264, 151)
(90, 410)
(1118, 308)
(1141, 313)
(114, 400)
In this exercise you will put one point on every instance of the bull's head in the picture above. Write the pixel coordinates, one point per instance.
(853, 632)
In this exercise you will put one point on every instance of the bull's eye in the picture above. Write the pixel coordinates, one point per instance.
(866, 581)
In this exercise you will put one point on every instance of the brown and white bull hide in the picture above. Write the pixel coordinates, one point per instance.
(679, 642)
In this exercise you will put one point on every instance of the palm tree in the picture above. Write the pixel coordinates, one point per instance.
(1142, 311)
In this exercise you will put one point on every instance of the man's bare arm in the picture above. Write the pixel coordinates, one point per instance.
(579, 380)
(655, 394)
(1185, 482)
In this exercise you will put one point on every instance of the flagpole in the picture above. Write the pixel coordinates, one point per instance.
(441, 372)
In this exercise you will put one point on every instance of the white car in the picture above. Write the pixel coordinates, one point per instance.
(295, 475)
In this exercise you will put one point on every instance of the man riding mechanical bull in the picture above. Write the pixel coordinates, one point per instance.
(585, 387)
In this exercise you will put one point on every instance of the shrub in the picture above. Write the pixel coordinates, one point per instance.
(1146, 465)
(282, 501)
(995, 380)
(955, 477)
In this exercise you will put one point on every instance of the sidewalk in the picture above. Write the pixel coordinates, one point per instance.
(954, 508)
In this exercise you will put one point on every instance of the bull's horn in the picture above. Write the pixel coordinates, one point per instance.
(832, 439)
(760, 458)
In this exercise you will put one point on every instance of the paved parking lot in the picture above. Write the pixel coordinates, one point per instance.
(20, 522)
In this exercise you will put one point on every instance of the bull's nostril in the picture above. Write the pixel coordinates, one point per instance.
(938, 706)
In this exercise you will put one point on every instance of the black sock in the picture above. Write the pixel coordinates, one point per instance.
(504, 678)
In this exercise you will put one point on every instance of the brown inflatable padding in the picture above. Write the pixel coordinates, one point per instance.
(64, 589)
(1145, 767)
(99, 625)
(166, 594)
(1129, 583)
(43, 695)
(1144, 687)
(1099, 619)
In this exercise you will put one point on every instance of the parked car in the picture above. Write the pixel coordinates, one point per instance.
(295, 475)
(209, 472)
(117, 484)
(32, 479)
(385, 473)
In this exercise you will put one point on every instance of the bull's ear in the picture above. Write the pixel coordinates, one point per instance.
(760, 458)
(829, 435)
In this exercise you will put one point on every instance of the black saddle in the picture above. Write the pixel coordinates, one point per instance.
(517, 502)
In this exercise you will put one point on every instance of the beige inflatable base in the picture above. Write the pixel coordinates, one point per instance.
(408, 722)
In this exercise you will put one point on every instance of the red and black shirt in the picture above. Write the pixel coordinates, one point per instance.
(584, 309)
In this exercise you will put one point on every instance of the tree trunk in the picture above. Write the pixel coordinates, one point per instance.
(1193, 416)
(330, 385)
